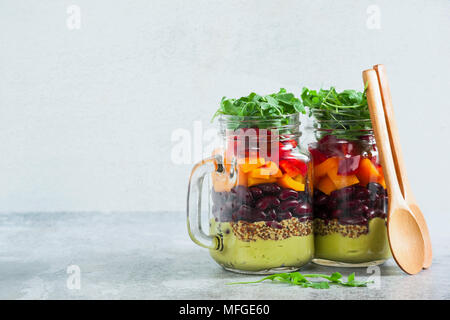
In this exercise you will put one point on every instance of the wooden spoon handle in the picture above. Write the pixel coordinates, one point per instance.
(382, 137)
(394, 140)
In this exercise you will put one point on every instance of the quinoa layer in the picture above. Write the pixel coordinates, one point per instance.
(323, 228)
(252, 231)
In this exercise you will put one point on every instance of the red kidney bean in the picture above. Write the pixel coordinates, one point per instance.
(332, 204)
(365, 207)
(263, 203)
(256, 192)
(374, 213)
(336, 213)
(305, 218)
(362, 194)
(284, 215)
(267, 202)
(321, 215)
(342, 194)
(244, 212)
(271, 214)
(276, 202)
(288, 204)
(258, 215)
(359, 210)
(321, 200)
(274, 224)
(351, 204)
(380, 203)
(302, 209)
(270, 188)
(243, 194)
(286, 194)
(360, 220)
(375, 187)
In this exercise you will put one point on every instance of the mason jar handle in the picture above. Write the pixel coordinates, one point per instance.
(194, 203)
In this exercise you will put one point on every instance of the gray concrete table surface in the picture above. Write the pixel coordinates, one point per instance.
(150, 256)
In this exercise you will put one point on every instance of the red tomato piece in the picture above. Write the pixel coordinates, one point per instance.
(293, 167)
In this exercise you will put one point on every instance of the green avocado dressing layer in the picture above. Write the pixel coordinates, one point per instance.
(372, 246)
(260, 254)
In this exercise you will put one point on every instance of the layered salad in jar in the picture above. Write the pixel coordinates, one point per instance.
(261, 199)
(350, 197)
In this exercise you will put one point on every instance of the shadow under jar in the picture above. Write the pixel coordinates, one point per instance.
(261, 205)
(350, 197)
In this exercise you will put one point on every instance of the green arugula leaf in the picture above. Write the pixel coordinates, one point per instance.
(351, 277)
(266, 107)
(336, 111)
(296, 278)
(351, 282)
(319, 285)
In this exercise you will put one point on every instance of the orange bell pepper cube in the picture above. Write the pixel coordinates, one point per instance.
(368, 172)
(269, 170)
(326, 185)
(342, 181)
(248, 164)
(380, 170)
(300, 178)
(381, 178)
(382, 182)
(287, 182)
(328, 165)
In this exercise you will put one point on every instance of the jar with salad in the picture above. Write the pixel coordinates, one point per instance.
(261, 218)
(350, 198)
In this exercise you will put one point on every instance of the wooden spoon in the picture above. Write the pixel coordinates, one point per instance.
(404, 234)
(400, 168)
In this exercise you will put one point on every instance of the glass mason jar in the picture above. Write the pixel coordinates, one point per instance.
(350, 197)
(260, 217)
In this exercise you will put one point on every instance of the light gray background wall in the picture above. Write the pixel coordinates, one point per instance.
(86, 116)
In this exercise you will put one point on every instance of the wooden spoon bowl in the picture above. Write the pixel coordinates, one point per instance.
(405, 240)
